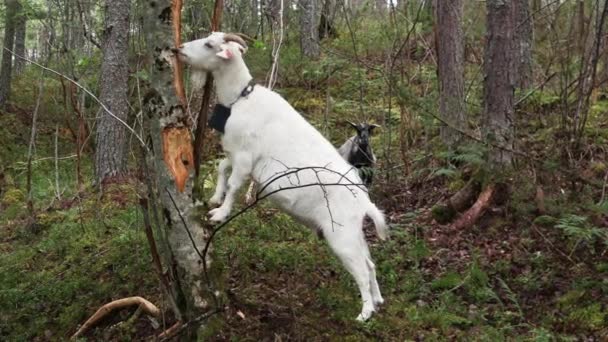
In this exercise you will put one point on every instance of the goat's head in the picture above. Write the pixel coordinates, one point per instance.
(211, 53)
(364, 131)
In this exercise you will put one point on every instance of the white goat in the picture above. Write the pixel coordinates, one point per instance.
(266, 139)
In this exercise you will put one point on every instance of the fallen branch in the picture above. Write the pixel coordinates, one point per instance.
(171, 331)
(148, 307)
(471, 216)
(459, 202)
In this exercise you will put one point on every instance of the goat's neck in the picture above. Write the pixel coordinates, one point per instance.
(230, 81)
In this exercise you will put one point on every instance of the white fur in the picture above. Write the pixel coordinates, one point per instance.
(264, 138)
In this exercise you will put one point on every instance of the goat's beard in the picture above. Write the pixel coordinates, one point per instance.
(198, 79)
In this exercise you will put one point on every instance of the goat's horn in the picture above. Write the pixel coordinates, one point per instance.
(232, 37)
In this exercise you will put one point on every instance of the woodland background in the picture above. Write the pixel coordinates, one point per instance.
(491, 169)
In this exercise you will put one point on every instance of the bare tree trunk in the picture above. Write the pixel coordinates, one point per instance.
(497, 123)
(309, 35)
(523, 41)
(582, 32)
(12, 8)
(171, 163)
(326, 20)
(110, 153)
(20, 29)
(450, 60)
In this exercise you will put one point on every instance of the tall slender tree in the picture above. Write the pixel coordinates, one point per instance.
(111, 136)
(523, 44)
(309, 34)
(497, 123)
(12, 8)
(450, 68)
(20, 30)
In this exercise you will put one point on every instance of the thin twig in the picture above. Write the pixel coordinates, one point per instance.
(105, 108)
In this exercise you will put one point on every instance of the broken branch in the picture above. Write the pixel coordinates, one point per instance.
(148, 307)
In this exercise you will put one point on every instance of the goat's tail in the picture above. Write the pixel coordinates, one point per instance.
(378, 217)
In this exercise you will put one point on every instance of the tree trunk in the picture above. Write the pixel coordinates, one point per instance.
(12, 8)
(309, 37)
(497, 123)
(20, 29)
(111, 135)
(523, 43)
(450, 60)
(326, 21)
(381, 6)
(167, 129)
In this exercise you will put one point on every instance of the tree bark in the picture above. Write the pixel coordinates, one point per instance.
(309, 35)
(111, 135)
(497, 122)
(20, 30)
(523, 42)
(12, 7)
(450, 61)
(184, 235)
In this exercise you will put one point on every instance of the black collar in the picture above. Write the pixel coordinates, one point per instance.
(221, 113)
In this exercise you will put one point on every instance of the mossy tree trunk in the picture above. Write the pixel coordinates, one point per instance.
(182, 235)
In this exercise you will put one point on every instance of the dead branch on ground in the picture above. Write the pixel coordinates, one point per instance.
(102, 312)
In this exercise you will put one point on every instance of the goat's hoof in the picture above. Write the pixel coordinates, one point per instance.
(364, 316)
(378, 301)
(218, 215)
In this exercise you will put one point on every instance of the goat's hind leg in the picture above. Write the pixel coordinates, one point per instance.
(345, 245)
(220, 188)
(373, 282)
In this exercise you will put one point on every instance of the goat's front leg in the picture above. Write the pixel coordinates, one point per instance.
(220, 188)
(241, 170)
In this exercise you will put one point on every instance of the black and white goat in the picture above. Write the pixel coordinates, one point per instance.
(302, 173)
(358, 151)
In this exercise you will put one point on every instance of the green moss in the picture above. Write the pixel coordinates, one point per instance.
(545, 221)
(443, 213)
(12, 196)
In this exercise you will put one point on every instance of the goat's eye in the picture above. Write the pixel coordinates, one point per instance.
(208, 45)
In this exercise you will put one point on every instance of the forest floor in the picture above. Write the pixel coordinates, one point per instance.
(512, 276)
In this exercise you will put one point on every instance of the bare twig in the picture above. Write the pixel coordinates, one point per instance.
(105, 108)
(30, 199)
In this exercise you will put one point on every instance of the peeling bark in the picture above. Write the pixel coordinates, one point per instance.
(185, 232)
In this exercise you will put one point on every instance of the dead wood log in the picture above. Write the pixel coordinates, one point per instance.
(471, 216)
(148, 307)
(459, 202)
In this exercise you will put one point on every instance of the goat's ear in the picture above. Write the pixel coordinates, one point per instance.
(225, 52)
(353, 125)
(372, 126)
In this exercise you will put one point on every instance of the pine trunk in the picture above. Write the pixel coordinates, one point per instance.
(111, 135)
(497, 123)
(309, 37)
(20, 30)
(450, 61)
(523, 41)
(170, 161)
(12, 7)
